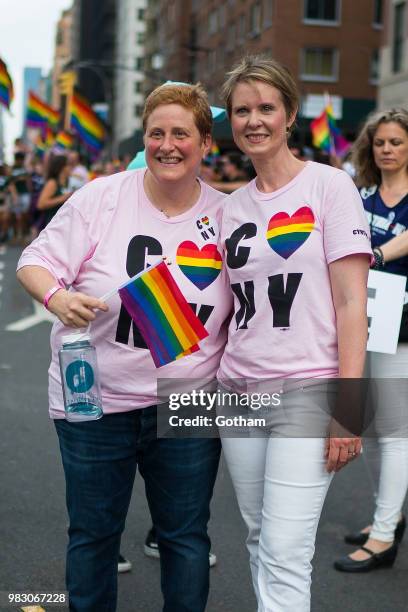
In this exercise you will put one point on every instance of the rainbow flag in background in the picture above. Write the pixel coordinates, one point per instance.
(86, 123)
(49, 137)
(215, 151)
(39, 114)
(64, 140)
(341, 145)
(6, 86)
(320, 132)
(326, 135)
(166, 321)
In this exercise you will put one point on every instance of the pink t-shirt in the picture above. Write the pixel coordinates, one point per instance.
(107, 232)
(277, 249)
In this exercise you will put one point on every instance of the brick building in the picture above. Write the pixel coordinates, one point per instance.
(168, 37)
(329, 46)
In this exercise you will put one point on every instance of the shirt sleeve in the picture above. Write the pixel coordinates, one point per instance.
(64, 245)
(345, 226)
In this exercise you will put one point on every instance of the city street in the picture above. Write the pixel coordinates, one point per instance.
(33, 519)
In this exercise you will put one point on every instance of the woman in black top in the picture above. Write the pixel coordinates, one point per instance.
(55, 191)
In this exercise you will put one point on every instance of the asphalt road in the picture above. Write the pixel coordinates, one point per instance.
(33, 518)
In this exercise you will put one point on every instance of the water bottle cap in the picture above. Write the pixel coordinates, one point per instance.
(79, 336)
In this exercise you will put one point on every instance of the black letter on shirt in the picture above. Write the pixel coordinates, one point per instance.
(203, 313)
(247, 303)
(238, 256)
(138, 250)
(281, 300)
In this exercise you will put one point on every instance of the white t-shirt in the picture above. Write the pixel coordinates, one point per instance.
(104, 234)
(277, 249)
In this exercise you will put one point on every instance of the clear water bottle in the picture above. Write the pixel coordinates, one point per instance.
(80, 378)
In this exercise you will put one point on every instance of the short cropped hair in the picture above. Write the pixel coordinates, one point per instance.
(367, 173)
(190, 97)
(262, 68)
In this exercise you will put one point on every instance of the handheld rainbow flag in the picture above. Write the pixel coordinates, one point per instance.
(64, 140)
(165, 319)
(341, 145)
(6, 86)
(320, 132)
(86, 123)
(39, 114)
(326, 135)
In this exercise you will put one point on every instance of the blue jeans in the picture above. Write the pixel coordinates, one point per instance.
(100, 460)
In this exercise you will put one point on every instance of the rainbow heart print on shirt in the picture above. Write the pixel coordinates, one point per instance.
(286, 233)
(200, 266)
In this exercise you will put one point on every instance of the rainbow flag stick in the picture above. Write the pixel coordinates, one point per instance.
(107, 296)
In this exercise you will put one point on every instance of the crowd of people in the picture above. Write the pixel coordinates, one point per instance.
(33, 188)
(294, 238)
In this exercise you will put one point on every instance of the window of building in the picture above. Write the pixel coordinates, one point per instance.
(319, 64)
(139, 63)
(255, 19)
(140, 14)
(378, 12)
(138, 111)
(323, 11)
(241, 27)
(375, 67)
(212, 22)
(138, 87)
(140, 38)
(398, 38)
(231, 37)
(267, 13)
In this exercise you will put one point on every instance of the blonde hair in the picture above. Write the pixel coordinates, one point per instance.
(191, 97)
(269, 71)
(367, 172)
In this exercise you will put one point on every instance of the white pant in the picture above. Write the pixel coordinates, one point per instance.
(281, 484)
(390, 418)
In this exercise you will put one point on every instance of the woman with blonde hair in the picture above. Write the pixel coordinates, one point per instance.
(299, 277)
(380, 156)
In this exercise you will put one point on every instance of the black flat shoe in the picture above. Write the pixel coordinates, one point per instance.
(375, 561)
(359, 538)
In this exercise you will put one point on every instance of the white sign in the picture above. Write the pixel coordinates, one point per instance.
(386, 293)
(314, 104)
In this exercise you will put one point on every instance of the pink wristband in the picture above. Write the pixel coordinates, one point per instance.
(50, 293)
